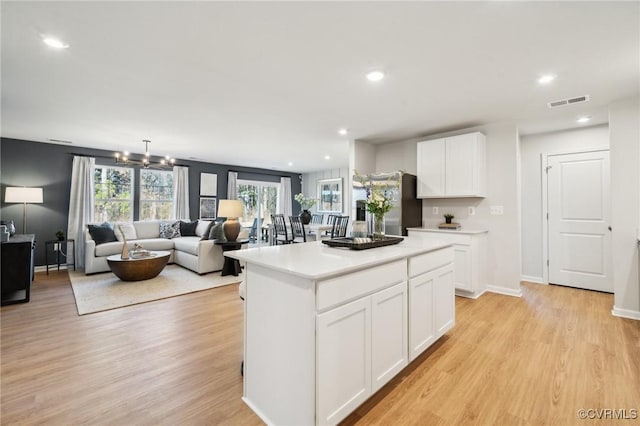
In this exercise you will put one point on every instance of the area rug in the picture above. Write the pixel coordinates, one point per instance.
(101, 292)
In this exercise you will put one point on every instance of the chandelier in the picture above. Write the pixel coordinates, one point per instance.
(165, 163)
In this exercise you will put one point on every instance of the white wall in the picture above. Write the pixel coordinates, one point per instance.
(310, 185)
(364, 157)
(533, 149)
(624, 139)
(502, 189)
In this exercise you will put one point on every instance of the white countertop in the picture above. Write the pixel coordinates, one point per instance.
(462, 231)
(315, 260)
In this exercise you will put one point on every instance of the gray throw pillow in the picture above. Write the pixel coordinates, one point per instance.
(217, 233)
(205, 234)
(169, 230)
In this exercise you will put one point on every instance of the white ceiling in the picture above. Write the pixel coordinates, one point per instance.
(262, 84)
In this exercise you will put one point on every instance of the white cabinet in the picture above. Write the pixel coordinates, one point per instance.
(343, 361)
(389, 318)
(452, 167)
(431, 308)
(469, 258)
(361, 346)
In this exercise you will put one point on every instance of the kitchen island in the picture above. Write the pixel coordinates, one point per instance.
(325, 328)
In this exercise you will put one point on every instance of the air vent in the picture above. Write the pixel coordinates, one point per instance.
(59, 141)
(569, 101)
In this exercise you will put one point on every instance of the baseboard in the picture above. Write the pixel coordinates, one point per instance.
(625, 313)
(535, 280)
(54, 267)
(504, 290)
(470, 294)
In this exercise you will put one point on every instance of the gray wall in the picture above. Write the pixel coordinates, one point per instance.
(26, 163)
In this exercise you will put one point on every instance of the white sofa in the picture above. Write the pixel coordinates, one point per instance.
(201, 256)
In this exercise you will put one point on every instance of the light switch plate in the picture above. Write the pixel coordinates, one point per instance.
(435, 210)
(472, 211)
(497, 210)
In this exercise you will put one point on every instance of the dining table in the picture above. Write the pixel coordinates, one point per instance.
(313, 231)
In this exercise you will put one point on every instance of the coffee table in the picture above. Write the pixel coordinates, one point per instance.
(140, 269)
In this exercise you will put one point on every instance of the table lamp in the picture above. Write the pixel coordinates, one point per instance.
(232, 210)
(23, 195)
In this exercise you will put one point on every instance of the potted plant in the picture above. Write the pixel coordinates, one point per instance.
(60, 235)
(448, 217)
(305, 204)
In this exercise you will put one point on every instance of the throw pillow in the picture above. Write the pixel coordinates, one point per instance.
(125, 230)
(207, 231)
(217, 233)
(188, 229)
(102, 233)
(169, 230)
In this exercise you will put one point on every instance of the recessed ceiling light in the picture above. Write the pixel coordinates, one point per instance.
(343, 131)
(546, 79)
(327, 157)
(290, 163)
(375, 75)
(55, 43)
(584, 119)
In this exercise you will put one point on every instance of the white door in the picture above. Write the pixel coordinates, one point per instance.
(579, 220)
(388, 334)
(460, 175)
(343, 371)
(462, 267)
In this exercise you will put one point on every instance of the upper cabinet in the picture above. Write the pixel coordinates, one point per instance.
(452, 167)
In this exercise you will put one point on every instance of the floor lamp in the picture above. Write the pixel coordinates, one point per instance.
(23, 195)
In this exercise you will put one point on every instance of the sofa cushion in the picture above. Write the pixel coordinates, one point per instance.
(125, 230)
(107, 249)
(169, 230)
(155, 244)
(203, 228)
(102, 233)
(147, 229)
(188, 229)
(187, 244)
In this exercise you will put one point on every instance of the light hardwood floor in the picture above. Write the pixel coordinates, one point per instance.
(533, 360)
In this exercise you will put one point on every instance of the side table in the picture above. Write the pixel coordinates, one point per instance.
(17, 268)
(231, 266)
(62, 243)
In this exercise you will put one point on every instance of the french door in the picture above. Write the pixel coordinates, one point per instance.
(259, 200)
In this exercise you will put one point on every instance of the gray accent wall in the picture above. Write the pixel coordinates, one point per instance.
(27, 163)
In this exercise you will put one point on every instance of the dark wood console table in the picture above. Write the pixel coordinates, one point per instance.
(17, 268)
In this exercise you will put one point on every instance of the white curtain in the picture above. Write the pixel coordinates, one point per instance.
(180, 192)
(80, 204)
(232, 186)
(284, 197)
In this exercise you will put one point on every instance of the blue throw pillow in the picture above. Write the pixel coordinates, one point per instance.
(102, 233)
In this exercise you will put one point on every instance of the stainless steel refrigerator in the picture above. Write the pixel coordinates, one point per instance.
(407, 212)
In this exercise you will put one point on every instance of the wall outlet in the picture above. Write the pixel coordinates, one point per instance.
(435, 210)
(497, 210)
(472, 211)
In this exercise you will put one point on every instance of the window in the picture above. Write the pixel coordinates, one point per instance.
(259, 201)
(113, 194)
(156, 194)
(330, 195)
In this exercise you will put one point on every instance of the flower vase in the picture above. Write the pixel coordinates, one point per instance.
(378, 227)
(305, 217)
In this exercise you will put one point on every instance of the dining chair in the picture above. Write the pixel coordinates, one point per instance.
(253, 234)
(330, 221)
(297, 230)
(280, 227)
(317, 219)
(339, 228)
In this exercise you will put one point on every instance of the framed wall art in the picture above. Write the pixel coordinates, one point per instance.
(208, 185)
(208, 208)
